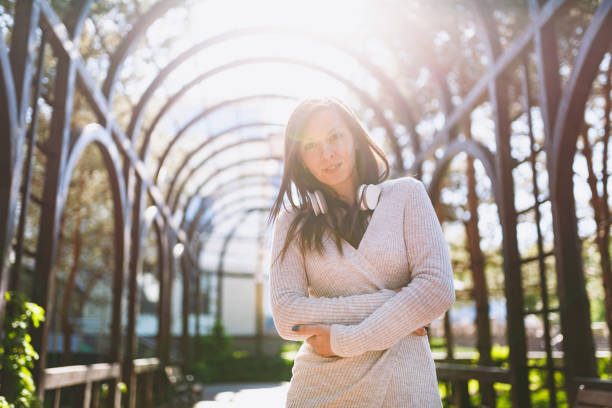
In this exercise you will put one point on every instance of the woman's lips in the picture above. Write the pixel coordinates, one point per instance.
(333, 168)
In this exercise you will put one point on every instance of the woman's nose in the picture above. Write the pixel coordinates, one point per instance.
(328, 150)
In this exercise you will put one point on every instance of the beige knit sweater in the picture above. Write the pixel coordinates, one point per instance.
(380, 362)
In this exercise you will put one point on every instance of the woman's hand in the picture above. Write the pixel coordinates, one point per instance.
(320, 337)
(421, 331)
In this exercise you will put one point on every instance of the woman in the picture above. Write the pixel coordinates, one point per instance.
(356, 274)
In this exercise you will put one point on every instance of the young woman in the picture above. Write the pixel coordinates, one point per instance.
(358, 266)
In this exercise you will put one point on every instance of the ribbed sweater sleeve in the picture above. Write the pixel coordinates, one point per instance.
(289, 298)
(428, 295)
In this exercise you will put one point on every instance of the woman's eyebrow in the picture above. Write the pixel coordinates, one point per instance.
(333, 129)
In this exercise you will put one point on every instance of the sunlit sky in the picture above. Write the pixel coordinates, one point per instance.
(340, 21)
(344, 22)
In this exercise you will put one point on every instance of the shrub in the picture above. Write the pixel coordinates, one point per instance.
(217, 361)
(17, 355)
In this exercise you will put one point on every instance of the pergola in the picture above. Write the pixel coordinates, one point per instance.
(531, 58)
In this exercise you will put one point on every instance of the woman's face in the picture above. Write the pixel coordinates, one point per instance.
(328, 151)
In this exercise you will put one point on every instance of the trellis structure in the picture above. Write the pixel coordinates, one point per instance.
(562, 109)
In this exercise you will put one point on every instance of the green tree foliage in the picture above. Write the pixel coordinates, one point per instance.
(17, 356)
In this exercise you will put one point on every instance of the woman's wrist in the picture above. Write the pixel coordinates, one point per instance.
(420, 331)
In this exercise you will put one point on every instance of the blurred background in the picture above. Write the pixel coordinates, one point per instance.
(142, 149)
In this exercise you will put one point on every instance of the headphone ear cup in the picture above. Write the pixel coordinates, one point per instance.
(321, 201)
(360, 196)
(314, 202)
(369, 196)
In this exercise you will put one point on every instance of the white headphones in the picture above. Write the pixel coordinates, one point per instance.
(367, 197)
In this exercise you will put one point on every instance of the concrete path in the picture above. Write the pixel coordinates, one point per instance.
(248, 395)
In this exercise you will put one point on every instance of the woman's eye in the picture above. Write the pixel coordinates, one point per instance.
(308, 146)
(336, 136)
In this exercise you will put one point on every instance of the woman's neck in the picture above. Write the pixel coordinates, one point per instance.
(346, 190)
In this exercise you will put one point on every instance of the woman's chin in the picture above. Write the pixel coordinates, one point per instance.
(335, 181)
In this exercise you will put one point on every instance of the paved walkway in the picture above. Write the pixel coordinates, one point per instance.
(250, 395)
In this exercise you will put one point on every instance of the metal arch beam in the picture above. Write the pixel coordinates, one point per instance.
(512, 51)
(445, 97)
(26, 173)
(498, 95)
(94, 133)
(11, 158)
(129, 41)
(201, 244)
(206, 224)
(141, 184)
(203, 162)
(261, 178)
(245, 181)
(15, 83)
(223, 215)
(194, 224)
(205, 143)
(365, 97)
(97, 135)
(226, 241)
(444, 90)
(440, 79)
(233, 207)
(12, 134)
(22, 54)
(165, 290)
(225, 189)
(595, 43)
(199, 117)
(386, 82)
(223, 169)
(473, 148)
(579, 357)
(228, 204)
(547, 62)
(58, 145)
(225, 218)
(197, 220)
(151, 216)
(65, 48)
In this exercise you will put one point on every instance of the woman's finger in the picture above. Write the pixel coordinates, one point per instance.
(308, 328)
(420, 332)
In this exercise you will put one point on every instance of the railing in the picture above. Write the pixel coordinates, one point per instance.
(460, 374)
(143, 367)
(89, 375)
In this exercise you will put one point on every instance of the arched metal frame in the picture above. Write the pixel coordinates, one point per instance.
(220, 170)
(405, 116)
(229, 185)
(174, 199)
(200, 117)
(561, 147)
(562, 110)
(226, 242)
(229, 209)
(195, 224)
(363, 96)
(10, 164)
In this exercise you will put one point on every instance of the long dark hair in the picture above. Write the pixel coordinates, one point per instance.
(343, 221)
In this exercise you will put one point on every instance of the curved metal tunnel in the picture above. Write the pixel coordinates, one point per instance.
(183, 184)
